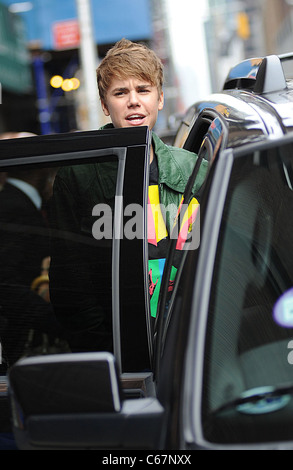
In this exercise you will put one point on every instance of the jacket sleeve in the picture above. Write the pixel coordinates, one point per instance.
(76, 291)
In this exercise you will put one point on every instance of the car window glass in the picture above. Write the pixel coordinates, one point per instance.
(184, 128)
(40, 211)
(250, 326)
(181, 134)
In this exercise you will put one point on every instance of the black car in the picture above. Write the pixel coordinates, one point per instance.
(215, 370)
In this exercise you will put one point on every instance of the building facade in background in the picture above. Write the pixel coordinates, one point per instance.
(240, 29)
(51, 47)
(40, 39)
(234, 31)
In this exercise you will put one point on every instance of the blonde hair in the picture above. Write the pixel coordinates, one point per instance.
(129, 59)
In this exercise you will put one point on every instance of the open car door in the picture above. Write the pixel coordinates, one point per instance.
(111, 245)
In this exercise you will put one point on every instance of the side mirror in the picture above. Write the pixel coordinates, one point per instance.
(65, 383)
(75, 401)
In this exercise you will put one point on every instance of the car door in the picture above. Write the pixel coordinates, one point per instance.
(236, 299)
(112, 240)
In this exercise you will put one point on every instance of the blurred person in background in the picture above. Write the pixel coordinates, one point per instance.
(26, 312)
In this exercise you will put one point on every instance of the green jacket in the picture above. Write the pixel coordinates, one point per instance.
(81, 188)
(79, 268)
(175, 167)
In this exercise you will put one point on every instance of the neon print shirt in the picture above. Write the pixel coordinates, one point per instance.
(158, 239)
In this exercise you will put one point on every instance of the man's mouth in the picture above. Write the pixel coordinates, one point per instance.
(135, 118)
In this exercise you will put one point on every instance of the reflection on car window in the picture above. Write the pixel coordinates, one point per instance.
(26, 317)
(250, 317)
(40, 210)
(81, 219)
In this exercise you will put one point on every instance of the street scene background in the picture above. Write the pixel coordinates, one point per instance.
(49, 51)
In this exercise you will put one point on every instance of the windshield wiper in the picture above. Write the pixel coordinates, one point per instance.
(269, 395)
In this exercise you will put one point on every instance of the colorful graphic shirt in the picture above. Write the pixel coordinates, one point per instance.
(159, 239)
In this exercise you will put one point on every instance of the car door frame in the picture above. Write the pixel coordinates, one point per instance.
(128, 145)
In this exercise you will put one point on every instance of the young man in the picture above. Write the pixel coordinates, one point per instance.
(130, 82)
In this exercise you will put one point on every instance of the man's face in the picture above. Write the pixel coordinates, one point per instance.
(132, 102)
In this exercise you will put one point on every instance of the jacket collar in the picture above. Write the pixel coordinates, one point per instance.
(174, 167)
(174, 171)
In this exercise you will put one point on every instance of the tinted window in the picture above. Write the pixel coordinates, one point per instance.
(250, 324)
(41, 210)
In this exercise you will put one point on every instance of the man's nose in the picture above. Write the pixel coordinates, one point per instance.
(133, 99)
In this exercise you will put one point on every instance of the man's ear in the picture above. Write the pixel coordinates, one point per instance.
(105, 108)
(161, 101)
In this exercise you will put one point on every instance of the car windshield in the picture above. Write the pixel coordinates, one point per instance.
(248, 373)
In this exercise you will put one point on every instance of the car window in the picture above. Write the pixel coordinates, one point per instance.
(213, 140)
(207, 130)
(184, 127)
(250, 323)
(49, 268)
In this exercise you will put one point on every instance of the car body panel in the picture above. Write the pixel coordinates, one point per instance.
(76, 148)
